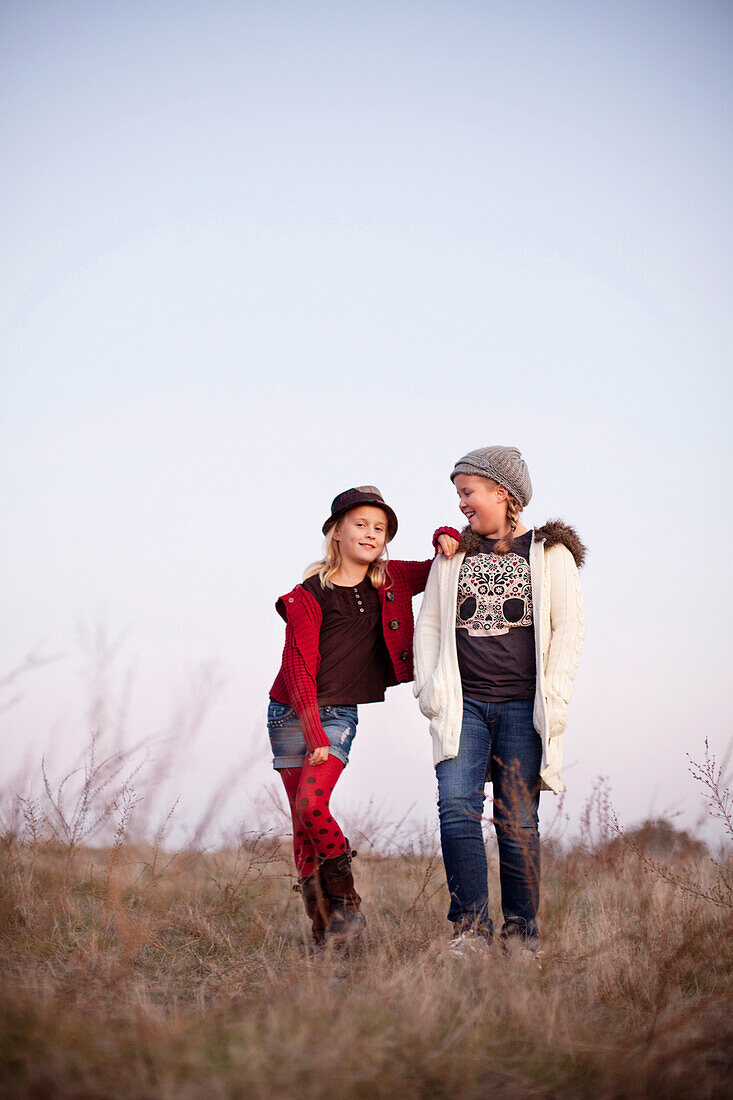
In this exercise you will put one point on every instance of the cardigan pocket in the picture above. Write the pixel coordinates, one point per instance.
(557, 715)
(432, 696)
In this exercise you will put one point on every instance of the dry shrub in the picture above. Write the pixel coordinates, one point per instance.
(127, 970)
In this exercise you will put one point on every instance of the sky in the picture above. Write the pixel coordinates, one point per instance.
(256, 253)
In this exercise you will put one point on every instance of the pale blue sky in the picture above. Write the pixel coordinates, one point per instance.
(255, 253)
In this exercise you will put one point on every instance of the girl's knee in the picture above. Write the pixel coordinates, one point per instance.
(460, 808)
(516, 818)
(516, 808)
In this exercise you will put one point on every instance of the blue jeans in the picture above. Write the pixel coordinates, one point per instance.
(498, 742)
(288, 740)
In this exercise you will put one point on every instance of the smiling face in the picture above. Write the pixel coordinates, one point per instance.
(361, 534)
(483, 503)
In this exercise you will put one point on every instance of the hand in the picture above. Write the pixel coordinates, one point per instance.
(447, 545)
(319, 755)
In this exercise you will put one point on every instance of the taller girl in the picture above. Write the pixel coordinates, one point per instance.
(497, 644)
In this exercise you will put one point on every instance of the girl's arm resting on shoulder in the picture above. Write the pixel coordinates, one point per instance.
(302, 690)
(567, 625)
(445, 542)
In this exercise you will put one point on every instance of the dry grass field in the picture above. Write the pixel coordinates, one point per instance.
(130, 972)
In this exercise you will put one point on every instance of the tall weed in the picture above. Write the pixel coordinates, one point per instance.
(129, 972)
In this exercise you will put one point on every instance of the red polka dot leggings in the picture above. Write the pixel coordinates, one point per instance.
(316, 834)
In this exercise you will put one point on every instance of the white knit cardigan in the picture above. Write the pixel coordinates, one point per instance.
(559, 629)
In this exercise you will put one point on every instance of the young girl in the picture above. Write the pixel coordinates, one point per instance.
(348, 636)
(497, 644)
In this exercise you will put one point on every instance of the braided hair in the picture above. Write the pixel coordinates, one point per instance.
(513, 510)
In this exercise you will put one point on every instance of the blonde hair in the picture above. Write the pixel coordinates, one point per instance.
(513, 511)
(378, 571)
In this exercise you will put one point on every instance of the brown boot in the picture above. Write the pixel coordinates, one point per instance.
(317, 905)
(347, 920)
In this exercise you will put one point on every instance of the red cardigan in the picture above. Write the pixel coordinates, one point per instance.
(295, 684)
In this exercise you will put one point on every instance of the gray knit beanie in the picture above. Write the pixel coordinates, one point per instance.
(504, 465)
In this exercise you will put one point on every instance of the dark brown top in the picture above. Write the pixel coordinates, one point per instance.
(354, 659)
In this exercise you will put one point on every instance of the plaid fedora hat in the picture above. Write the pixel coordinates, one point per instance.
(364, 494)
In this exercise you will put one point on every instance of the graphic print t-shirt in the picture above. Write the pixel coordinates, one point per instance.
(495, 624)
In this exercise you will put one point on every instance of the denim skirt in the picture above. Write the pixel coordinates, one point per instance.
(286, 733)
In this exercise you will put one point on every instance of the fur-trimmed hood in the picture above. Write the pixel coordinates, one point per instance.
(551, 533)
